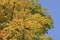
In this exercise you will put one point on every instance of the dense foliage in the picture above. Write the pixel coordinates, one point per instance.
(23, 20)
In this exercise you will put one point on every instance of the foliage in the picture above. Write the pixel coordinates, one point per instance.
(24, 20)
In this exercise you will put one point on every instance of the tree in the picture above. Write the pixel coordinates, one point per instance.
(24, 20)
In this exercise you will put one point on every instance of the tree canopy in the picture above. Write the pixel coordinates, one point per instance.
(24, 20)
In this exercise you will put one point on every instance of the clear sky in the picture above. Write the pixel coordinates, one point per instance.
(53, 7)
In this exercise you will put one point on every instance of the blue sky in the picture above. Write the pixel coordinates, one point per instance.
(53, 7)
